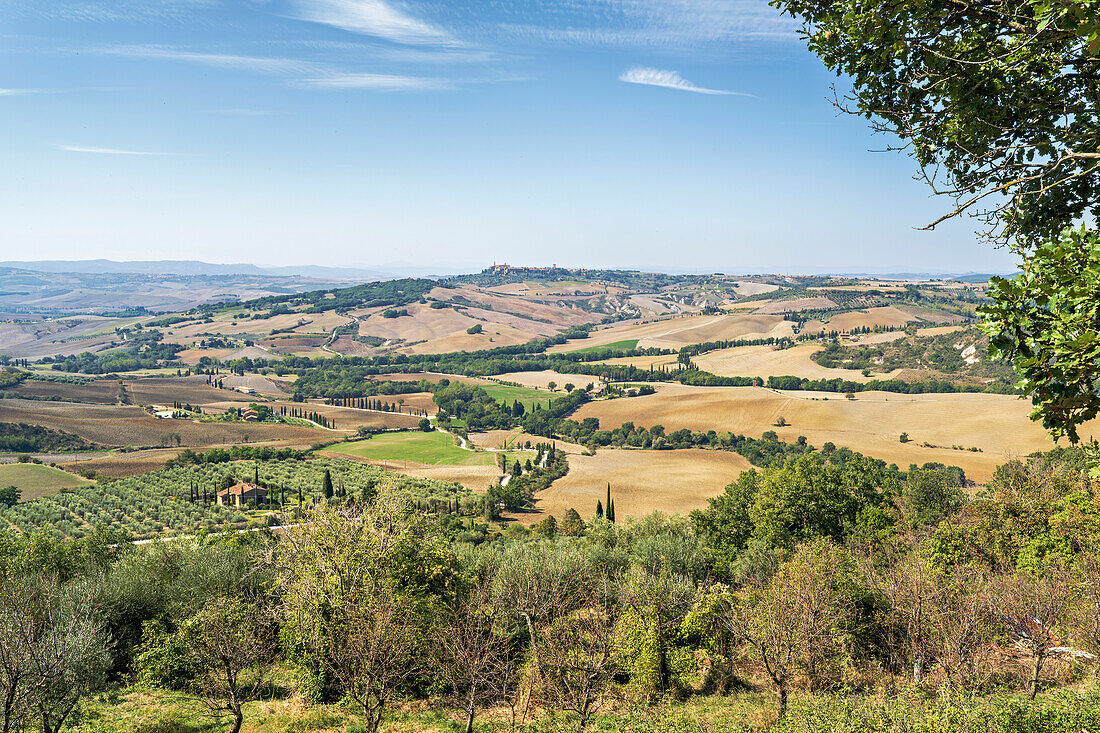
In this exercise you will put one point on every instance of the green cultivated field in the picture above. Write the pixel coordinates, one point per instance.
(624, 345)
(430, 448)
(528, 396)
(35, 480)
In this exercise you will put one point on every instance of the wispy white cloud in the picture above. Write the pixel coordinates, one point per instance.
(300, 72)
(18, 92)
(373, 18)
(262, 64)
(377, 82)
(669, 80)
(669, 25)
(111, 151)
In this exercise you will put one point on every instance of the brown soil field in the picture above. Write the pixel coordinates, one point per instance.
(122, 465)
(796, 304)
(193, 390)
(676, 332)
(132, 426)
(642, 482)
(870, 424)
(766, 361)
(103, 392)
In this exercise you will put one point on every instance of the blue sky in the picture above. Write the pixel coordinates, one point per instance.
(656, 134)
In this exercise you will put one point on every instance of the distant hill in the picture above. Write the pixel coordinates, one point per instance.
(190, 267)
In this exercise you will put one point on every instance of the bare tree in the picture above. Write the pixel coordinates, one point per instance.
(792, 620)
(961, 627)
(578, 663)
(910, 586)
(474, 656)
(1030, 608)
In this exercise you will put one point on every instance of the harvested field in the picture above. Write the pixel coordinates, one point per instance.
(35, 481)
(349, 418)
(745, 288)
(766, 361)
(515, 438)
(642, 482)
(794, 305)
(103, 392)
(263, 385)
(643, 362)
(885, 337)
(882, 316)
(474, 478)
(132, 426)
(122, 465)
(938, 330)
(540, 380)
(676, 332)
(193, 390)
(870, 424)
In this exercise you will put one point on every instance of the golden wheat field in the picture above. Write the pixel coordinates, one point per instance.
(642, 482)
(870, 424)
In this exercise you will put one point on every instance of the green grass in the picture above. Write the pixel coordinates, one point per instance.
(624, 345)
(528, 396)
(435, 448)
(36, 480)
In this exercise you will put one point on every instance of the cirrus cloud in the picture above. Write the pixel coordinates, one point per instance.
(670, 80)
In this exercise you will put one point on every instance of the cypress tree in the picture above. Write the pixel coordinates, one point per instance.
(326, 485)
(599, 509)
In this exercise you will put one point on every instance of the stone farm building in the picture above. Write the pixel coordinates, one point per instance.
(240, 494)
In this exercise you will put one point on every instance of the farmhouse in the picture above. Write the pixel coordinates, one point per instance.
(165, 414)
(246, 390)
(249, 415)
(241, 493)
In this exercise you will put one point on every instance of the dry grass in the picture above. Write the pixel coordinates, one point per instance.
(870, 424)
(131, 426)
(642, 481)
